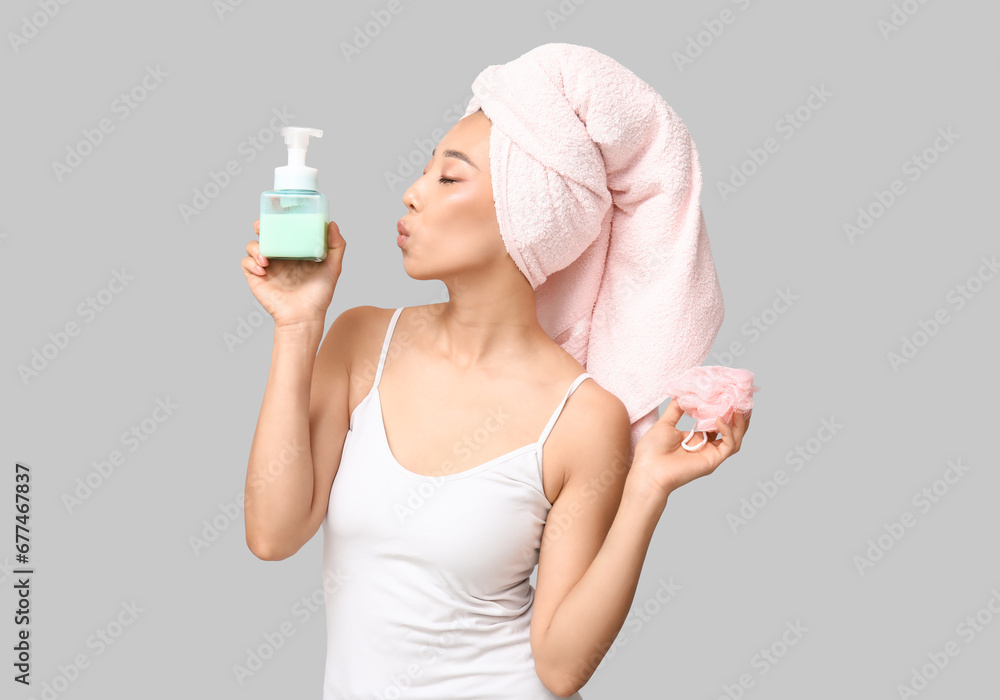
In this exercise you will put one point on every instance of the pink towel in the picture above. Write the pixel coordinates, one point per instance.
(597, 189)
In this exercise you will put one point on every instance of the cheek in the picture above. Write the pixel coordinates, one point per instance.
(471, 245)
(466, 245)
(467, 220)
(480, 213)
(468, 203)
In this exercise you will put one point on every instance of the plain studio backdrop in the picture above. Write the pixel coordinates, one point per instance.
(849, 155)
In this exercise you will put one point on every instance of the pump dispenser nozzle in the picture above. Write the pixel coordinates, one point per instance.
(297, 175)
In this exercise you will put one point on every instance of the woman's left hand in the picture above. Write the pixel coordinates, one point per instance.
(661, 463)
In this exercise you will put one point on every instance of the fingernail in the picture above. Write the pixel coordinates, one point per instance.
(260, 270)
(260, 258)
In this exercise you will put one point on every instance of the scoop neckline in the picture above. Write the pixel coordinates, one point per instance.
(440, 477)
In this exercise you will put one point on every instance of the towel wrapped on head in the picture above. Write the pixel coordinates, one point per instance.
(597, 187)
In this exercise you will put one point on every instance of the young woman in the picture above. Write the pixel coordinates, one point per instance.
(447, 449)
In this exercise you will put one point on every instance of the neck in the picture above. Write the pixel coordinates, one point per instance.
(482, 327)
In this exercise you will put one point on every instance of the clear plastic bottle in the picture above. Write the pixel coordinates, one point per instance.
(294, 215)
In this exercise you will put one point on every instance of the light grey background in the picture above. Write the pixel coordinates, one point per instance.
(822, 358)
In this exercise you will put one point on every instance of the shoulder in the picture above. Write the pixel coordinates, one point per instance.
(357, 321)
(595, 434)
(353, 330)
(363, 329)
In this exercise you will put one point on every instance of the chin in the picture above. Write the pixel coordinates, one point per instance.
(417, 273)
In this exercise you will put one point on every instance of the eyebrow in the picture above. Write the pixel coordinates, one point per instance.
(459, 155)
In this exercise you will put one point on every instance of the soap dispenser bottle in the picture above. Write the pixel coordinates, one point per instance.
(294, 216)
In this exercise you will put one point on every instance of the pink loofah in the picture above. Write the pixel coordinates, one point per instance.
(709, 392)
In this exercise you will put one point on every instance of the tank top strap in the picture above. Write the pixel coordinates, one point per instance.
(559, 408)
(385, 345)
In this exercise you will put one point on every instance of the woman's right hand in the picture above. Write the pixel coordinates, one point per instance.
(295, 291)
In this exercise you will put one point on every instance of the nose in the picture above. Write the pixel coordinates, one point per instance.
(410, 197)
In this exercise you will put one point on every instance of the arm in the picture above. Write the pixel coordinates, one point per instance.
(592, 551)
(299, 437)
(588, 572)
(588, 620)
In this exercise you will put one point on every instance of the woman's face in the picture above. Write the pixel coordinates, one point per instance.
(452, 220)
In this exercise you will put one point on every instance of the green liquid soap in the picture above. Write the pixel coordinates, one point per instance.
(294, 215)
(293, 236)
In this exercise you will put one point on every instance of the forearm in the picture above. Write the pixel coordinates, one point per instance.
(279, 485)
(588, 620)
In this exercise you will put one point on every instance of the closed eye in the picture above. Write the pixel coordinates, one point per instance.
(443, 180)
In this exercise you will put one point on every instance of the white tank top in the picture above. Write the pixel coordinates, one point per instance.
(427, 577)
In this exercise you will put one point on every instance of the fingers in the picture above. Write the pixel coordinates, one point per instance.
(727, 444)
(742, 422)
(250, 265)
(259, 262)
(672, 413)
(252, 261)
(732, 435)
(335, 242)
(333, 231)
